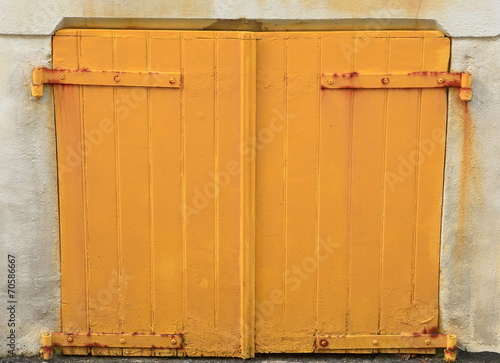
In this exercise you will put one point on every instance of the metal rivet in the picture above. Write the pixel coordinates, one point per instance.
(172, 80)
(427, 342)
(62, 76)
(117, 78)
(173, 341)
(385, 80)
(375, 342)
(440, 80)
(70, 339)
(323, 342)
(330, 81)
(122, 341)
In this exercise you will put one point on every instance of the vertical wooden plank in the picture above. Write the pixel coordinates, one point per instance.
(337, 54)
(436, 55)
(301, 181)
(101, 192)
(166, 153)
(217, 180)
(401, 162)
(71, 191)
(199, 162)
(272, 116)
(133, 158)
(367, 199)
(226, 178)
(247, 194)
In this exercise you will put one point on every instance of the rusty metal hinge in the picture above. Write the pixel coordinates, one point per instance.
(109, 340)
(92, 77)
(400, 80)
(332, 343)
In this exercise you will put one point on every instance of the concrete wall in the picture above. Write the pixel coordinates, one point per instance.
(470, 283)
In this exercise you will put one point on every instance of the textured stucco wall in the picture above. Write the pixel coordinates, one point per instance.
(458, 18)
(470, 281)
(470, 261)
(28, 204)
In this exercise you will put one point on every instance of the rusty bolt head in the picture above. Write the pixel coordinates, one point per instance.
(173, 341)
(117, 78)
(323, 342)
(70, 339)
(375, 342)
(330, 81)
(62, 76)
(122, 341)
(385, 80)
(172, 80)
(427, 342)
(440, 81)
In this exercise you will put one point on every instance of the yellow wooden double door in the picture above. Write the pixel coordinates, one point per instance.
(251, 208)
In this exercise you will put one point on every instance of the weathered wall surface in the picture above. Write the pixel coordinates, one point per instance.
(470, 260)
(457, 18)
(470, 283)
(28, 204)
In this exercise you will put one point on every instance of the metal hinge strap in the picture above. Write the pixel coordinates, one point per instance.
(326, 343)
(400, 80)
(91, 77)
(109, 340)
(381, 341)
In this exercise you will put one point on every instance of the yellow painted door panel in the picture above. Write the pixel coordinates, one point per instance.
(250, 208)
(348, 193)
(152, 181)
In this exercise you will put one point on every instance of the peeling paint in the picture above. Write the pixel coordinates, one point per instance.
(94, 344)
(432, 331)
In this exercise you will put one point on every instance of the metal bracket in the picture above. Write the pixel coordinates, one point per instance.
(332, 343)
(400, 80)
(90, 77)
(109, 340)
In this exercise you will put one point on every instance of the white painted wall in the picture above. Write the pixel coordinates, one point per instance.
(470, 283)
(470, 261)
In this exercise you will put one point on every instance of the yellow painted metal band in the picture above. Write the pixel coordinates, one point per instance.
(327, 342)
(388, 80)
(91, 77)
(163, 341)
